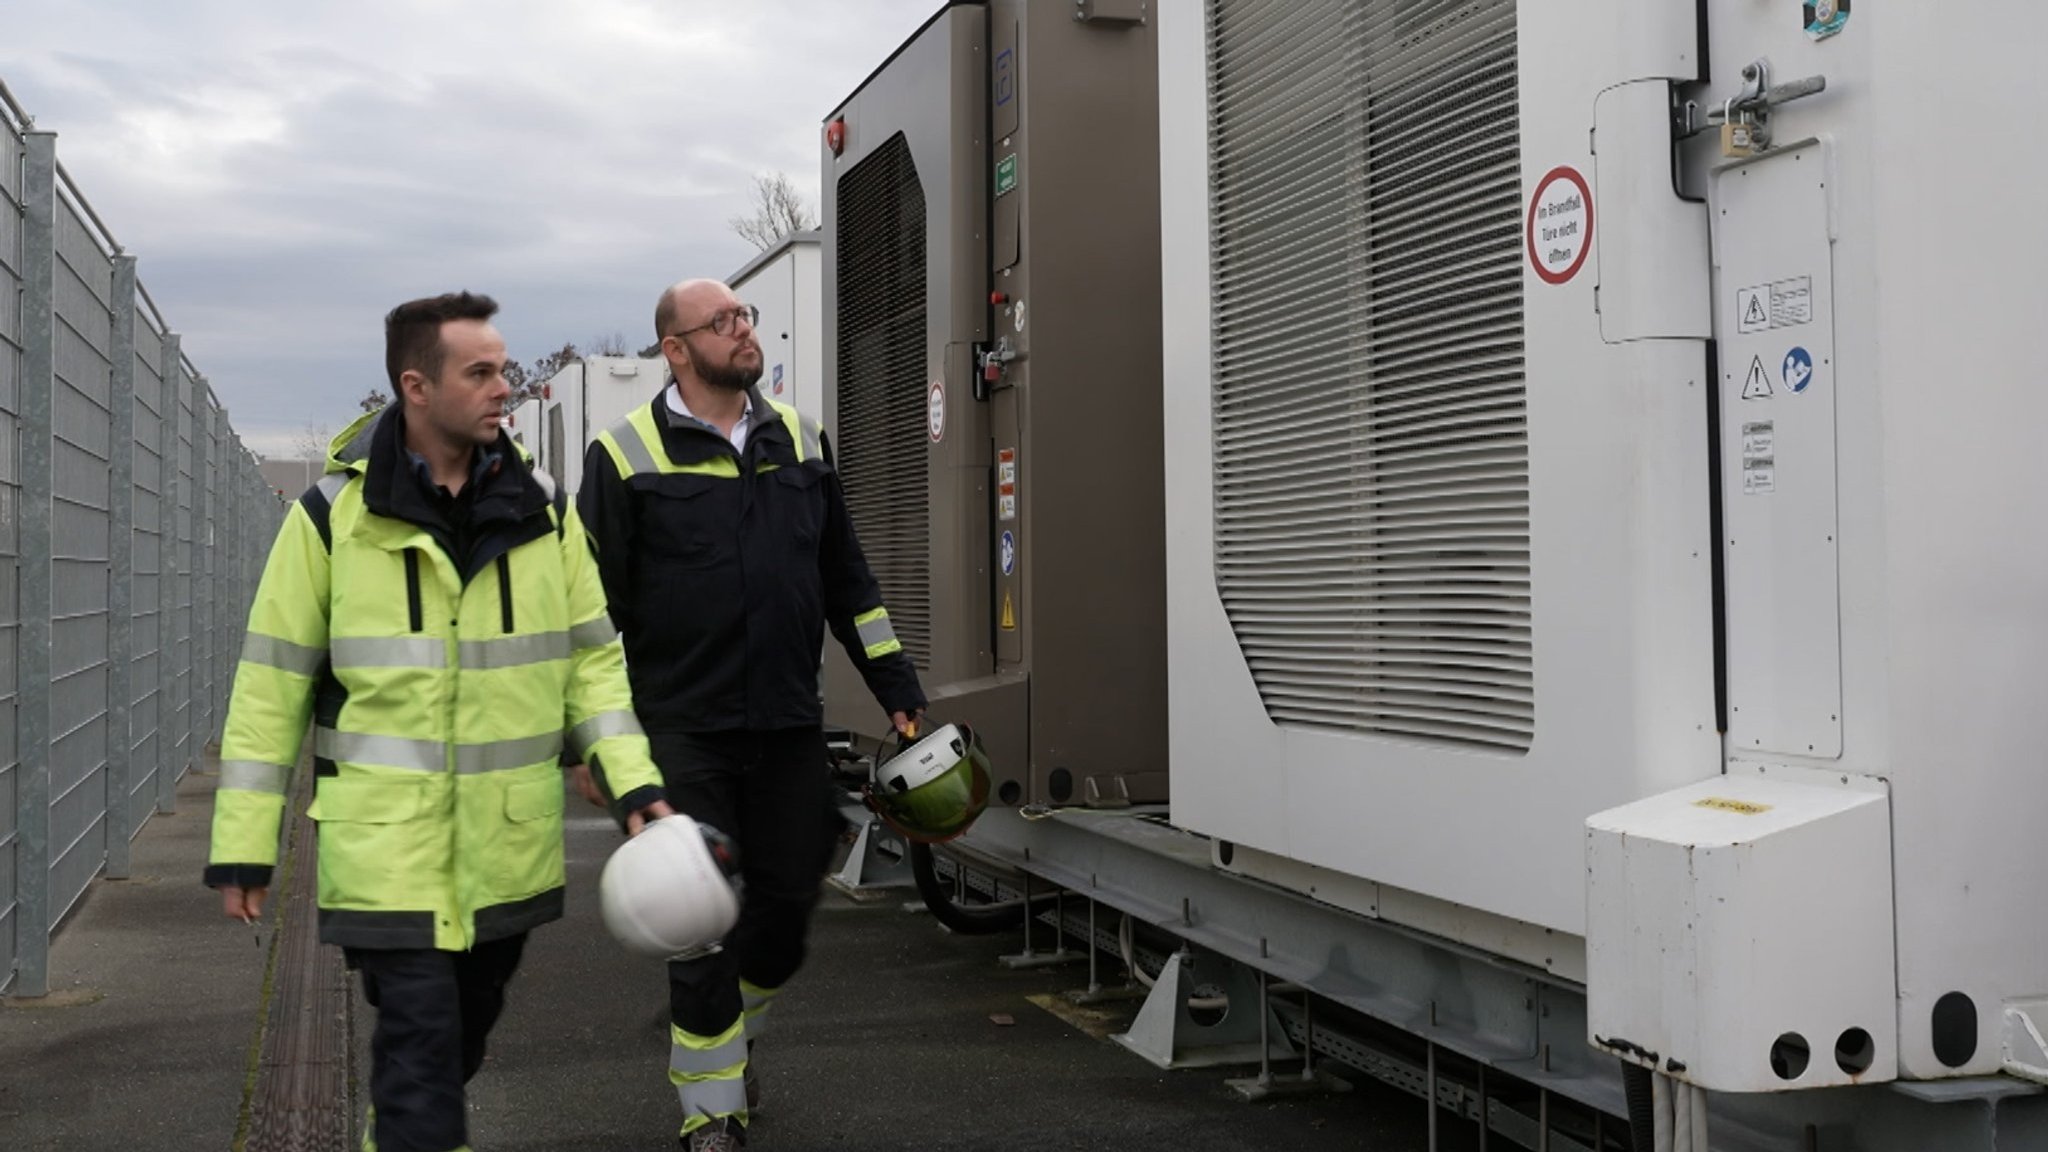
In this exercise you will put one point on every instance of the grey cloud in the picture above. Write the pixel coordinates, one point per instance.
(570, 165)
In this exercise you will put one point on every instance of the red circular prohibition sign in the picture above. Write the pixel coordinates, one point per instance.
(1529, 231)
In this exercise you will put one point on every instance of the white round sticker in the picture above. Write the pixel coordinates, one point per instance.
(1560, 225)
(935, 415)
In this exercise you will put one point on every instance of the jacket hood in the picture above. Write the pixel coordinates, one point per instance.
(350, 450)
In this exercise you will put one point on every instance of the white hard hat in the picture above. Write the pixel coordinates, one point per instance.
(665, 893)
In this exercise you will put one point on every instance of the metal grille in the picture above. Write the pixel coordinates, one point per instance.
(880, 441)
(1372, 509)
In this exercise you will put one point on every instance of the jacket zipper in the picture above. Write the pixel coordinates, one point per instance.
(505, 589)
(412, 588)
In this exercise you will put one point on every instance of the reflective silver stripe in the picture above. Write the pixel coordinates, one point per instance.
(502, 754)
(725, 1096)
(811, 448)
(253, 776)
(600, 726)
(545, 480)
(593, 633)
(389, 652)
(273, 652)
(754, 1005)
(513, 651)
(875, 633)
(633, 447)
(331, 485)
(726, 1057)
(386, 751)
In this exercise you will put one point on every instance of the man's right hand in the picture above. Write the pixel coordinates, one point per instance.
(586, 786)
(244, 904)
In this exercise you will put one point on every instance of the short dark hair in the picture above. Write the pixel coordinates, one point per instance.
(412, 331)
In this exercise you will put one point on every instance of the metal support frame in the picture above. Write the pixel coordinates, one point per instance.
(879, 861)
(1032, 958)
(1168, 1034)
(1311, 1081)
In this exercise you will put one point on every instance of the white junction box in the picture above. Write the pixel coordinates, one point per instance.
(1739, 931)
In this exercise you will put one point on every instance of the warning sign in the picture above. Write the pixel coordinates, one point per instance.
(1785, 304)
(1009, 613)
(1757, 386)
(1560, 231)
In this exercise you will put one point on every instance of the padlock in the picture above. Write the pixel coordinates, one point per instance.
(1740, 138)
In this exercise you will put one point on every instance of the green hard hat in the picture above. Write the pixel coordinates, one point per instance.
(932, 790)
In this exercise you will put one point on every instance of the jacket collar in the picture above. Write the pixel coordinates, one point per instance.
(691, 441)
(506, 493)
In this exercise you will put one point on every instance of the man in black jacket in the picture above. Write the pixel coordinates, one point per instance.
(725, 548)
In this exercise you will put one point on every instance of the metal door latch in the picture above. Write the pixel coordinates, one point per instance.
(991, 361)
(1745, 118)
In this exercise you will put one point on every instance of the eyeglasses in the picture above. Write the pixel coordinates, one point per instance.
(722, 322)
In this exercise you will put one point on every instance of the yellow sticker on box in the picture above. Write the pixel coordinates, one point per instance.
(1740, 807)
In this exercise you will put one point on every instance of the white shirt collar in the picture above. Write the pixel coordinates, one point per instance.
(674, 394)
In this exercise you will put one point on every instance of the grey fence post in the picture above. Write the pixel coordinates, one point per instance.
(121, 560)
(196, 642)
(172, 367)
(38, 387)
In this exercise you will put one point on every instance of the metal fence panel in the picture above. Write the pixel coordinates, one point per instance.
(183, 755)
(133, 525)
(81, 514)
(146, 600)
(12, 301)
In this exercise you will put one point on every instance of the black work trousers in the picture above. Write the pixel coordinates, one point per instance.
(769, 792)
(434, 1011)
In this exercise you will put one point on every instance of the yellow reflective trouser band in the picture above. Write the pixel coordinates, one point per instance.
(253, 776)
(755, 1003)
(708, 1074)
(432, 755)
(876, 634)
(600, 726)
(593, 633)
(282, 654)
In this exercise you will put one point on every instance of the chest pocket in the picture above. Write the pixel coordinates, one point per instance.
(690, 521)
(799, 496)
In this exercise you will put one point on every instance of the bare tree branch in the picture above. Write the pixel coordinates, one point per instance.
(776, 211)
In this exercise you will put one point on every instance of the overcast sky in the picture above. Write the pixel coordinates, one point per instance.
(287, 172)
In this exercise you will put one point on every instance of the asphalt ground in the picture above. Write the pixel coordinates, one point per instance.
(896, 1034)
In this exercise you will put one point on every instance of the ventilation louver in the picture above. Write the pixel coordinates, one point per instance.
(880, 439)
(1370, 435)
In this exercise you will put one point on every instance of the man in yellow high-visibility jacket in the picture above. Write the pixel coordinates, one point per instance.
(431, 607)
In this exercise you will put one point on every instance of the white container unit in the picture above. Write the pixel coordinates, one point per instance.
(783, 283)
(1466, 365)
(585, 398)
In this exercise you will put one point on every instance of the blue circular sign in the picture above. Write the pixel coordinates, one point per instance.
(1798, 369)
(1009, 553)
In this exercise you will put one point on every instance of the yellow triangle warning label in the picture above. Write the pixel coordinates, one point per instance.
(1009, 613)
(1758, 385)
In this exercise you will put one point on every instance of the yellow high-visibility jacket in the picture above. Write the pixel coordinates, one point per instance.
(445, 667)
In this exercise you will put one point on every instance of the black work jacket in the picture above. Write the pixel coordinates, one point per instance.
(723, 585)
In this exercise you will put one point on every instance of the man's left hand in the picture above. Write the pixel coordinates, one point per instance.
(907, 723)
(648, 815)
